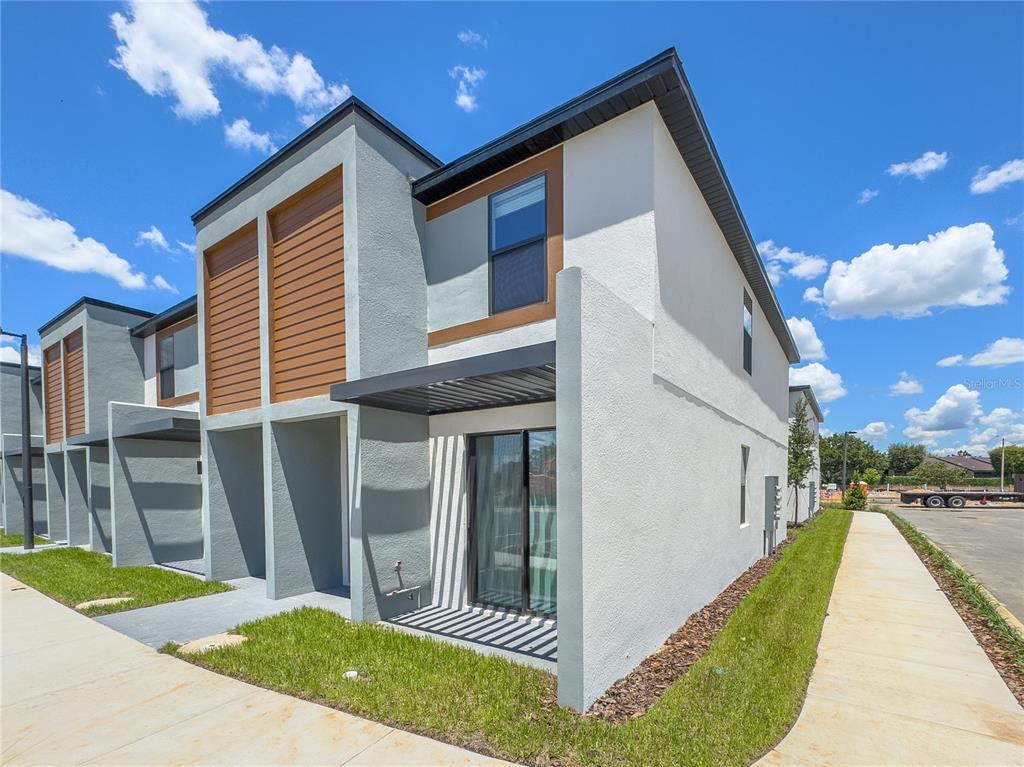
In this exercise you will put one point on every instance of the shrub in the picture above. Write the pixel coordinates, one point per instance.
(872, 476)
(855, 498)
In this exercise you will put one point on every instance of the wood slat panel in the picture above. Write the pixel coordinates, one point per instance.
(232, 322)
(53, 393)
(307, 300)
(74, 385)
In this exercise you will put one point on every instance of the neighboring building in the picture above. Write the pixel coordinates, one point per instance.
(398, 355)
(89, 360)
(155, 480)
(973, 466)
(803, 502)
(11, 506)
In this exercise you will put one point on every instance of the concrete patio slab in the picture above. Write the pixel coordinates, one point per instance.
(899, 679)
(94, 696)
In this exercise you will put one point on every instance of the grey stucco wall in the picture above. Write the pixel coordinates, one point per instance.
(114, 363)
(390, 519)
(76, 489)
(305, 510)
(56, 501)
(156, 493)
(100, 531)
(457, 266)
(10, 400)
(233, 519)
(12, 489)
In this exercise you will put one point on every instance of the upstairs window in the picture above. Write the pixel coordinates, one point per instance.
(744, 460)
(177, 350)
(748, 333)
(517, 245)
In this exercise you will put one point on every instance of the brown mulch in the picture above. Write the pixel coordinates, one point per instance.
(633, 695)
(1002, 655)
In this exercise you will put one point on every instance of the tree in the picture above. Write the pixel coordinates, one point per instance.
(861, 456)
(872, 476)
(855, 498)
(938, 474)
(1014, 459)
(801, 453)
(904, 457)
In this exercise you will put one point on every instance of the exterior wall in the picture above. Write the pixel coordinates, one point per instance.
(14, 521)
(10, 422)
(803, 502)
(449, 504)
(655, 334)
(383, 260)
(100, 527)
(156, 493)
(56, 501)
(151, 373)
(76, 489)
(233, 517)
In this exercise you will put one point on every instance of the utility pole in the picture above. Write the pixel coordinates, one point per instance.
(1002, 467)
(26, 445)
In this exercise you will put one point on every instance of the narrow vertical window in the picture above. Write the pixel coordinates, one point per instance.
(166, 355)
(518, 245)
(744, 459)
(748, 332)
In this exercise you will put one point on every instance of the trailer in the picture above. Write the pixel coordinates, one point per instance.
(957, 499)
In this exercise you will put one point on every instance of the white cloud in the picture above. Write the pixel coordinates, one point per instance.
(960, 266)
(188, 247)
(1000, 353)
(170, 49)
(162, 284)
(465, 93)
(806, 337)
(31, 232)
(1014, 220)
(240, 135)
(876, 431)
(472, 39)
(867, 196)
(924, 165)
(10, 351)
(986, 180)
(154, 238)
(1000, 423)
(906, 385)
(827, 385)
(793, 262)
(957, 409)
(824, 431)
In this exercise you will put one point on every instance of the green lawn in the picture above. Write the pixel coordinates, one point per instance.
(17, 539)
(730, 707)
(72, 576)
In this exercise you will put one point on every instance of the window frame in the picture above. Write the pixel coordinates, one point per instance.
(744, 471)
(491, 252)
(471, 549)
(160, 335)
(748, 336)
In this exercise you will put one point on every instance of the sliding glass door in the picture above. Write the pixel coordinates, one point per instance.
(513, 529)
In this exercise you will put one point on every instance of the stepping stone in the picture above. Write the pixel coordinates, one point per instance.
(106, 601)
(211, 643)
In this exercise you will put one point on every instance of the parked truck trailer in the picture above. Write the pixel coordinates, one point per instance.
(957, 499)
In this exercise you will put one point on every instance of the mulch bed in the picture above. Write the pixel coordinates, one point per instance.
(633, 695)
(995, 646)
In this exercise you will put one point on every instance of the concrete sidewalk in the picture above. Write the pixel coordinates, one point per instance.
(899, 679)
(76, 692)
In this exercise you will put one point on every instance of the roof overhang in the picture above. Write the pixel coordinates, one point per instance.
(808, 393)
(166, 318)
(89, 439)
(512, 377)
(662, 81)
(16, 451)
(88, 301)
(174, 428)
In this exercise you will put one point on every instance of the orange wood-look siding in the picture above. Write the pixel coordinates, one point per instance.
(307, 291)
(53, 393)
(232, 322)
(74, 385)
(549, 162)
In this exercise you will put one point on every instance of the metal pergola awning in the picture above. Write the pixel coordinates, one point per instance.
(172, 428)
(89, 439)
(16, 451)
(511, 377)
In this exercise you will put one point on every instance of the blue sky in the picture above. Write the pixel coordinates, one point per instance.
(852, 134)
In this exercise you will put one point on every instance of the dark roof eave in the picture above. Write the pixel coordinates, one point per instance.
(348, 106)
(662, 80)
(166, 318)
(84, 300)
(809, 392)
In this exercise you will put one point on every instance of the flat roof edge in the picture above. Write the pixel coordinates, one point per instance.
(87, 300)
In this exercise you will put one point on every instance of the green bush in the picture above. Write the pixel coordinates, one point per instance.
(908, 481)
(855, 498)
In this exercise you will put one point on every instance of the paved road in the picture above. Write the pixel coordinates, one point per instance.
(74, 691)
(899, 678)
(988, 544)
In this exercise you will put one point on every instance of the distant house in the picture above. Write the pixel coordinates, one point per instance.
(974, 466)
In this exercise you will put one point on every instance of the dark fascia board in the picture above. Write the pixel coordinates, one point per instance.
(662, 80)
(16, 451)
(92, 302)
(466, 367)
(89, 439)
(809, 393)
(166, 318)
(174, 428)
(350, 105)
(17, 366)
